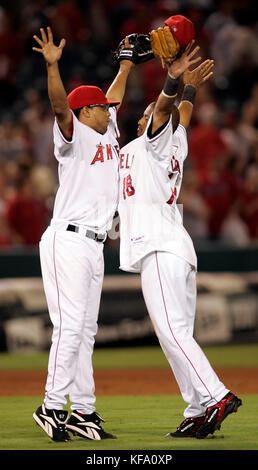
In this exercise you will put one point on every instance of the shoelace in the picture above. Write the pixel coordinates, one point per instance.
(61, 427)
(97, 419)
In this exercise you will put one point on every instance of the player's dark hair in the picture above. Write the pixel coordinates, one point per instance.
(77, 112)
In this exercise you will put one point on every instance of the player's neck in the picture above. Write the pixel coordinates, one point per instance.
(88, 122)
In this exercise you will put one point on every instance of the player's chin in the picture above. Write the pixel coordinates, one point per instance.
(139, 131)
(103, 130)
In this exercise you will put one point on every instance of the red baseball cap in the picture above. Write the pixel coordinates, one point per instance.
(182, 28)
(85, 95)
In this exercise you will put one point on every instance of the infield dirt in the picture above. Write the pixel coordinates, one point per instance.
(127, 381)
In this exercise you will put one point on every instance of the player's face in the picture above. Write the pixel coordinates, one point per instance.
(100, 116)
(142, 123)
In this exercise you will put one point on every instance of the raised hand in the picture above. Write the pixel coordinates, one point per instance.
(180, 65)
(200, 74)
(50, 52)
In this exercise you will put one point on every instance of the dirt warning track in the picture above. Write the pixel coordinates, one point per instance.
(127, 381)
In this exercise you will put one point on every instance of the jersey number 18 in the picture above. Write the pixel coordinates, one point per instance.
(128, 189)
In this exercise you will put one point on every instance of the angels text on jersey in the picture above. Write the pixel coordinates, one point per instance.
(128, 189)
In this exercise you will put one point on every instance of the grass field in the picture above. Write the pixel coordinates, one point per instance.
(140, 422)
(245, 355)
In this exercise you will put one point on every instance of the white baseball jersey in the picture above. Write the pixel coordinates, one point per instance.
(72, 264)
(88, 175)
(150, 180)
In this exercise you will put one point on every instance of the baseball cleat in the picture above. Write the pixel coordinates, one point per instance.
(188, 427)
(87, 426)
(215, 414)
(53, 423)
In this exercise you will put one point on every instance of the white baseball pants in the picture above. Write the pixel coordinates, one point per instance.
(72, 270)
(169, 290)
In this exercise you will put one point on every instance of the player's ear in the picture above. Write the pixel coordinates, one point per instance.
(85, 111)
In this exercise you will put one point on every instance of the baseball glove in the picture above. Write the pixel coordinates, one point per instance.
(164, 45)
(139, 51)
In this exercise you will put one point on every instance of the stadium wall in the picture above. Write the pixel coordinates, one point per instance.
(227, 302)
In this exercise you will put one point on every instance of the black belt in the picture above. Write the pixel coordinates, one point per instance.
(98, 237)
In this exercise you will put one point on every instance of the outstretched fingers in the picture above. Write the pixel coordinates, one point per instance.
(42, 42)
(50, 34)
(37, 49)
(206, 67)
(189, 54)
(207, 77)
(207, 64)
(38, 40)
(193, 61)
(62, 44)
(127, 43)
(44, 36)
(193, 52)
(205, 70)
(189, 46)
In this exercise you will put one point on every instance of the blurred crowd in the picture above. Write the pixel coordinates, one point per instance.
(220, 189)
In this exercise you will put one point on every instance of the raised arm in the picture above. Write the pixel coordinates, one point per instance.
(132, 50)
(56, 91)
(192, 80)
(165, 101)
(117, 88)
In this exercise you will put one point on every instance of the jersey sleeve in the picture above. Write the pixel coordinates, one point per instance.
(182, 138)
(113, 122)
(160, 145)
(64, 148)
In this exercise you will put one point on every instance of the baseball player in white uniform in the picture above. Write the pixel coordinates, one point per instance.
(155, 244)
(71, 249)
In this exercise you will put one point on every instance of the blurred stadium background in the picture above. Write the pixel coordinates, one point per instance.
(220, 188)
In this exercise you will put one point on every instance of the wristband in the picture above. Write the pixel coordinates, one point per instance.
(189, 93)
(170, 87)
(126, 54)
